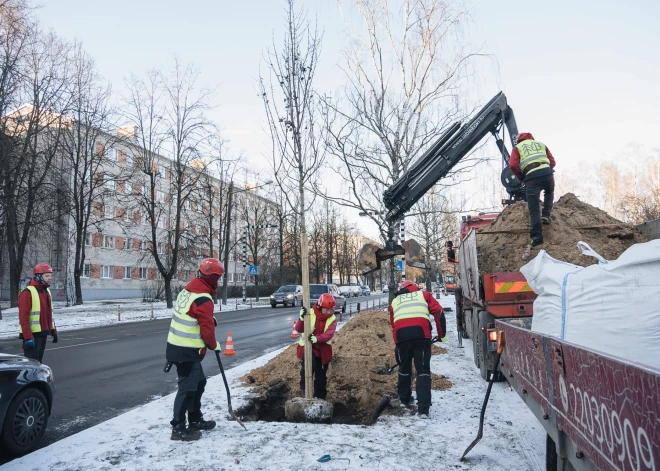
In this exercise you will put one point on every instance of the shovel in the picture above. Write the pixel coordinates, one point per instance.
(224, 378)
(480, 433)
(389, 370)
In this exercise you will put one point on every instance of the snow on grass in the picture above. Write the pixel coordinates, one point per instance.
(140, 439)
(102, 313)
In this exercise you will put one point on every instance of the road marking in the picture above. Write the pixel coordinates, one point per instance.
(81, 344)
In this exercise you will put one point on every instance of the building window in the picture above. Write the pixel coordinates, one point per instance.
(110, 184)
(231, 277)
(127, 273)
(143, 273)
(107, 271)
(87, 270)
(128, 188)
(161, 222)
(109, 212)
(88, 239)
(128, 244)
(160, 196)
(129, 160)
(143, 246)
(159, 276)
(161, 248)
(109, 242)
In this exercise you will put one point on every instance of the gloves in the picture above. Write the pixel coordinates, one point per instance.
(54, 337)
(28, 344)
(217, 348)
(443, 339)
(303, 313)
(312, 338)
(215, 321)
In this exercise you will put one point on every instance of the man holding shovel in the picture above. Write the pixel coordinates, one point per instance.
(323, 324)
(410, 316)
(193, 329)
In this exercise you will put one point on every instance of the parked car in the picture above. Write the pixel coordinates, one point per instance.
(346, 291)
(316, 290)
(365, 290)
(386, 289)
(287, 295)
(356, 290)
(26, 399)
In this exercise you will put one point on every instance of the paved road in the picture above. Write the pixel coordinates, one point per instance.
(102, 372)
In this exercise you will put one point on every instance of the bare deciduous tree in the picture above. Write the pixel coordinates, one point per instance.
(405, 71)
(169, 113)
(291, 109)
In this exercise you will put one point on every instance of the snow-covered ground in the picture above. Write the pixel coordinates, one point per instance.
(100, 313)
(139, 439)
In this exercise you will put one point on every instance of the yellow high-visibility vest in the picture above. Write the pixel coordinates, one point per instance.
(532, 152)
(184, 329)
(35, 311)
(312, 321)
(410, 305)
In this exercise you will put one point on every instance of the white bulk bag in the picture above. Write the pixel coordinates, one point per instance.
(613, 307)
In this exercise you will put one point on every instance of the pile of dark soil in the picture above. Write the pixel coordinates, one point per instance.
(363, 346)
(503, 246)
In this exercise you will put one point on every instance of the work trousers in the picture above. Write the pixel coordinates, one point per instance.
(37, 352)
(189, 395)
(533, 188)
(419, 351)
(320, 373)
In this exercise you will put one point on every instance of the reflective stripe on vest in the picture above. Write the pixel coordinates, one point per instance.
(312, 321)
(410, 305)
(35, 310)
(184, 330)
(532, 152)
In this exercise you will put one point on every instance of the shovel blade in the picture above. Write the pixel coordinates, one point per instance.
(472, 445)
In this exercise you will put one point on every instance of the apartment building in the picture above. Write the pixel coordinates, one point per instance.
(119, 254)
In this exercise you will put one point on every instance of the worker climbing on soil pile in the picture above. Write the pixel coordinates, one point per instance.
(410, 316)
(533, 163)
(324, 324)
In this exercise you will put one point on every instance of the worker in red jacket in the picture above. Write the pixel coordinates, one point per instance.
(532, 162)
(193, 329)
(324, 325)
(35, 313)
(410, 316)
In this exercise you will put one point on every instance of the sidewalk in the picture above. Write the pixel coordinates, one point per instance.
(139, 439)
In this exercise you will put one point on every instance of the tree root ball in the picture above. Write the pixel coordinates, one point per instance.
(316, 411)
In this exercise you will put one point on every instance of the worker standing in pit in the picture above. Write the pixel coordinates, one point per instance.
(410, 316)
(532, 162)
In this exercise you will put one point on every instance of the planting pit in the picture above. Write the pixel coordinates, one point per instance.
(362, 346)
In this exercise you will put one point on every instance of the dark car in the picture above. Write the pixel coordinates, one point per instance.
(288, 295)
(26, 399)
(316, 290)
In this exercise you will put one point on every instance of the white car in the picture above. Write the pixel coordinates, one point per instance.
(356, 290)
(346, 291)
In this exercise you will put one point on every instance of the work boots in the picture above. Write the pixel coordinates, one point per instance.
(545, 220)
(186, 434)
(197, 422)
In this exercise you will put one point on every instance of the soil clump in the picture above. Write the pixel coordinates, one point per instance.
(362, 346)
(503, 245)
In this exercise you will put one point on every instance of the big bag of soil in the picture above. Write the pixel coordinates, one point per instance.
(612, 307)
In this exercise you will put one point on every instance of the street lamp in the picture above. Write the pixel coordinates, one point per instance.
(230, 195)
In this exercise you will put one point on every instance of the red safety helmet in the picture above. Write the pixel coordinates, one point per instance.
(326, 300)
(211, 266)
(41, 268)
(409, 285)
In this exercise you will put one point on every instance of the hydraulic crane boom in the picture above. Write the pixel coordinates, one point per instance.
(448, 150)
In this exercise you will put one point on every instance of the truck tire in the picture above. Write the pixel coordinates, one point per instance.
(483, 351)
(550, 454)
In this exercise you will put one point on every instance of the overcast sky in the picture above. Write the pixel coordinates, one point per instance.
(582, 76)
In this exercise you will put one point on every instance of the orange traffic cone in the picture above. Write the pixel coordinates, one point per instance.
(294, 333)
(229, 348)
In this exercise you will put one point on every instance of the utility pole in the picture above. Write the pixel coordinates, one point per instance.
(227, 234)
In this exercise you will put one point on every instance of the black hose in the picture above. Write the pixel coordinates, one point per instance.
(384, 402)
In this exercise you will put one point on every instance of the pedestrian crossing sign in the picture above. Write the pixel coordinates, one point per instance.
(254, 270)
